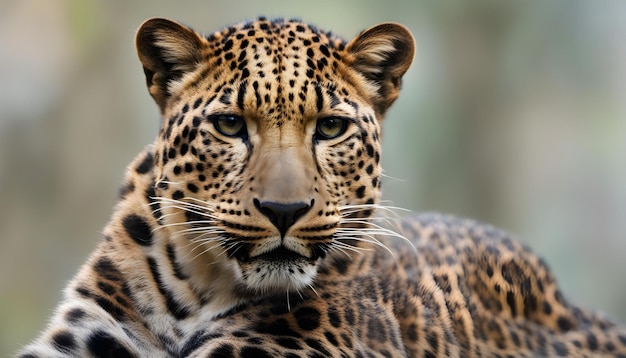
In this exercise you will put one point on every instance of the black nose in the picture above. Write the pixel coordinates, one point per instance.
(283, 216)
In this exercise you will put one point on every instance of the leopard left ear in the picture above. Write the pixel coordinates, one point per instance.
(383, 54)
(167, 51)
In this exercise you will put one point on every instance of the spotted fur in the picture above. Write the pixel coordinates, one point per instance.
(248, 230)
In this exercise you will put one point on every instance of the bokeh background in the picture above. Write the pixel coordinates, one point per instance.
(513, 113)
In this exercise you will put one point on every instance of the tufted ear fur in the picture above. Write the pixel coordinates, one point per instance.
(382, 54)
(167, 50)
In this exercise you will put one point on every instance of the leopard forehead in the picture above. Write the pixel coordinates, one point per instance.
(276, 70)
(274, 44)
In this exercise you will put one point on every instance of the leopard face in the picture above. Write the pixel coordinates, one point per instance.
(268, 159)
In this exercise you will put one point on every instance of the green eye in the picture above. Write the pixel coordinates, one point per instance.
(331, 127)
(230, 125)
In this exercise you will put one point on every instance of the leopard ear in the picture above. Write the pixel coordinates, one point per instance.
(167, 50)
(382, 55)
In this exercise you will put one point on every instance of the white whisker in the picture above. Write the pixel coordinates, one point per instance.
(195, 211)
(202, 229)
(366, 238)
(312, 289)
(211, 247)
(341, 249)
(161, 200)
(339, 245)
(346, 210)
(390, 178)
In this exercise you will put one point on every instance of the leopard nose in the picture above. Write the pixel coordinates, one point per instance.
(282, 215)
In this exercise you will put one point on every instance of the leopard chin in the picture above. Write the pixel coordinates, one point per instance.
(279, 270)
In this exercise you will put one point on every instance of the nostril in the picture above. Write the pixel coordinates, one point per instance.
(302, 211)
(282, 215)
(265, 210)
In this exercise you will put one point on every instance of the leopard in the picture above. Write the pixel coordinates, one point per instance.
(253, 226)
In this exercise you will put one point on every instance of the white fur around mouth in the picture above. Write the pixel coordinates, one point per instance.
(278, 270)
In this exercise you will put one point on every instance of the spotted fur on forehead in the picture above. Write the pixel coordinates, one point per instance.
(288, 57)
(282, 61)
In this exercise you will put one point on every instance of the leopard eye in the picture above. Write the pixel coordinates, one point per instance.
(331, 127)
(229, 125)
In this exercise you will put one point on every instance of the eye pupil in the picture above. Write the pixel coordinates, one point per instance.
(331, 127)
(229, 125)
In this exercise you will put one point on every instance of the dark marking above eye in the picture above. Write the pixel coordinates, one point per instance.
(225, 97)
(320, 98)
(196, 104)
(241, 94)
(334, 100)
(196, 121)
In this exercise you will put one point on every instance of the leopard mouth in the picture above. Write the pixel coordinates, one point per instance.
(283, 254)
(280, 253)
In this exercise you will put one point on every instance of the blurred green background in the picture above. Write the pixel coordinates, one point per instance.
(513, 113)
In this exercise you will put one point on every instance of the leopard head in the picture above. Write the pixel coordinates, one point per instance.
(268, 158)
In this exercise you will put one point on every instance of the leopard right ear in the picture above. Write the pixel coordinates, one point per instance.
(382, 54)
(167, 50)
